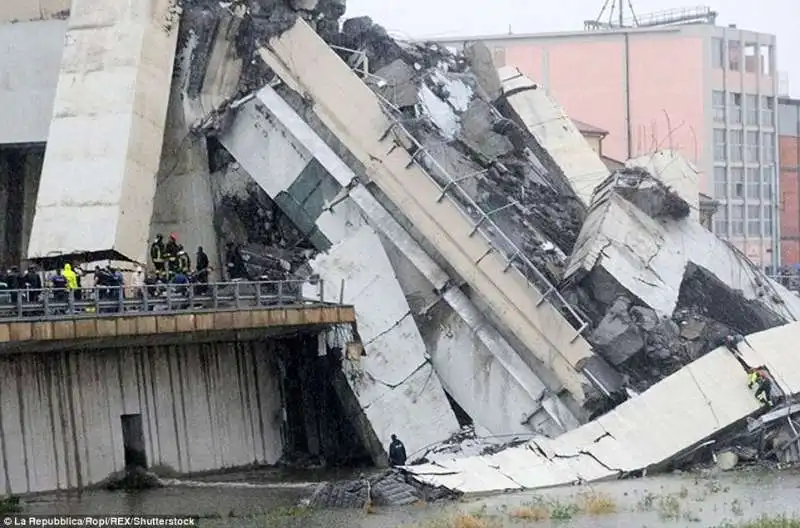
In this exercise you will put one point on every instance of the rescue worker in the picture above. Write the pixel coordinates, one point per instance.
(234, 262)
(59, 284)
(34, 284)
(397, 452)
(184, 263)
(201, 275)
(157, 253)
(14, 283)
(732, 342)
(171, 253)
(70, 277)
(759, 379)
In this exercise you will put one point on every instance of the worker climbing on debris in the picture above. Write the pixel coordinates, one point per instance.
(732, 343)
(157, 253)
(759, 379)
(171, 252)
(397, 452)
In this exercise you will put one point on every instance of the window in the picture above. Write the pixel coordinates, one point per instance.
(736, 108)
(788, 120)
(751, 109)
(751, 56)
(717, 53)
(751, 148)
(737, 142)
(766, 60)
(720, 183)
(768, 221)
(767, 182)
(753, 220)
(718, 106)
(720, 144)
(734, 55)
(767, 110)
(753, 183)
(768, 156)
(737, 220)
(721, 222)
(737, 182)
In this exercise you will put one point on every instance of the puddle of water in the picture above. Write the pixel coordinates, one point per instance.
(261, 499)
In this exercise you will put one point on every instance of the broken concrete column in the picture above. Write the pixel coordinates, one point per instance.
(394, 382)
(480, 60)
(104, 144)
(675, 172)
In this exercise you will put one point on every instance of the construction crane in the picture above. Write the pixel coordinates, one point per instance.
(613, 16)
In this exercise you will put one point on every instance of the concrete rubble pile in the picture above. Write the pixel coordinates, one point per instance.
(310, 138)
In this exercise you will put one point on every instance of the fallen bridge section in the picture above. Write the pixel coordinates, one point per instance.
(550, 126)
(678, 413)
(485, 376)
(650, 257)
(353, 113)
(105, 139)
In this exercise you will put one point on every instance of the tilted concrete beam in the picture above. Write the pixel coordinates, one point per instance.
(354, 115)
(105, 140)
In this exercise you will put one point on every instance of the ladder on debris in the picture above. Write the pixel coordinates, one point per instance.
(515, 258)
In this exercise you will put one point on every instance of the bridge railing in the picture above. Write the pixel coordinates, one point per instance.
(48, 303)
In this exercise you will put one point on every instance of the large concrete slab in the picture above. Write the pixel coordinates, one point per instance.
(16, 12)
(394, 383)
(104, 145)
(30, 59)
(476, 366)
(691, 406)
(676, 172)
(650, 257)
(550, 126)
(354, 115)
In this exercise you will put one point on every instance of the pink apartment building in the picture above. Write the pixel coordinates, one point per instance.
(707, 91)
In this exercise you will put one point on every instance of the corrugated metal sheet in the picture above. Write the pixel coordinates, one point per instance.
(549, 124)
(203, 407)
(105, 139)
(677, 413)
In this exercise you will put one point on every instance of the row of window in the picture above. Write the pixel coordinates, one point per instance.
(739, 146)
(752, 182)
(742, 107)
(751, 57)
(733, 217)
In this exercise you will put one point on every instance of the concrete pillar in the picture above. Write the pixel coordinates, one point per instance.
(105, 139)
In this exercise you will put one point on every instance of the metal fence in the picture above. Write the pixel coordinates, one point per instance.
(48, 303)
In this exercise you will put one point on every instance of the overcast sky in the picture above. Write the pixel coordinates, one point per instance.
(424, 18)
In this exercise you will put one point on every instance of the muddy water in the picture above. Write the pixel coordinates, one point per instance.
(260, 499)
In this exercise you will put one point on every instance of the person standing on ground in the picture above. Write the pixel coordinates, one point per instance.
(397, 452)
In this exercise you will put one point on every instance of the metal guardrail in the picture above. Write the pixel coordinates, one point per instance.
(103, 301)
(491, 232)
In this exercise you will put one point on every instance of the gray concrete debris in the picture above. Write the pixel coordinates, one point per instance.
(397, 83)
(480, 61)
(649, 194)
(391, 488)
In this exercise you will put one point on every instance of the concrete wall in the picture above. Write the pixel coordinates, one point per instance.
(20, 169)
(26, 10)
(30, 58)
(203, 407)
(790, 200)
(104, 145)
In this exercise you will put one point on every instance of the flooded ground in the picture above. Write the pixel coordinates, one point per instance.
(270, 499)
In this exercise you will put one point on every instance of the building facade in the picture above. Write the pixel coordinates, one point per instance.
(706, 91)
(789, 140)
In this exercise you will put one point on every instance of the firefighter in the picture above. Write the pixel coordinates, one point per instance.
(157, 253)
(171, 253)
(184, 263)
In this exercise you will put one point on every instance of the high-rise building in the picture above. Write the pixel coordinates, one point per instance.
(789, 201)
(706, 91)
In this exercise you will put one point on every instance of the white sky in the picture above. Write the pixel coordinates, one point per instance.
(428, 18)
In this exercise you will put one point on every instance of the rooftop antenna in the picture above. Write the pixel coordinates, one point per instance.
(629, 20)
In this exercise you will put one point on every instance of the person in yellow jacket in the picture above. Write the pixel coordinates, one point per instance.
(70, 276)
